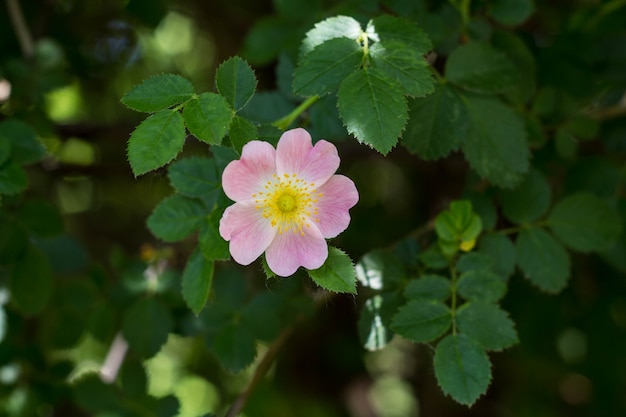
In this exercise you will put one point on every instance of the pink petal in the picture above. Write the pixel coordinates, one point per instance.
(339, 194)
(296, 155)
(246, 176)
(248, 232)
(290, 250)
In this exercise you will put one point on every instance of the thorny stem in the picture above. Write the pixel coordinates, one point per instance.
(21, 30)
(284, 122)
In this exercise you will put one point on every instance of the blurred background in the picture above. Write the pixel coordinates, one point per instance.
(64, 73)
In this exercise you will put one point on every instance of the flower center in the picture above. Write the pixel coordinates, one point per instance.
(288, 202)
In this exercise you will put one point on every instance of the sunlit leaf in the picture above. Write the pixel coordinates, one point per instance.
(207, 117)
(337, 274)
(159, 93)
(236, 82)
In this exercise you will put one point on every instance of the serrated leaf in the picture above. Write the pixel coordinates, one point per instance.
(213, 246)
(236, 82)
(13, 179)
(462, 368)
(196, 281)
(337, 274)
(196, 177)
(524, 61)
(322, 69)
(428, 287)
(501, 249)
(380, 270)
(331, 28)
(31, 282)
(207, 117)
(475, 261)
(372, 108)
(374, 323)
(158, 93)
(496, 145)
(388, 28)
(241, 131)
(585, 222)
(146, 325)
(542, 259)
(488, 325)
(422, 321)
(477, 66)
(437, 124)
(481, 285)
(528, 201)
(511, 12)
(234, 347)
(176, 217)
(25, 147)
(156, 141)
(405, 65)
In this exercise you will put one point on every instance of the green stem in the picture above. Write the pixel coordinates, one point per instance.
(21, 30)
(284, 122)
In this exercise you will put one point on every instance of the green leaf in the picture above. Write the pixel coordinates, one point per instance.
(196, 281)
(241, 131)
(528, 201)
(235, 80)
(196, 177)
(176, 217)
(5, 149)
(524, 61)
(331, 28)
(428, 287)
(437, 123)
(158, 93)
(585, 222)
(477, 66)
(496, 145)
(322, 69)
(488, 325)
(475, 261)
(374, 324)
(386, 28)
(261, 316)
(404, 65)
(207, 117)
(543, 260)
(462, 368)
(13, 240)
(337, 274)
(422, 321)
(511, 12)
(380, 270)
(234, 347)
(31, 282)
(372, 108)
(156, 141)
(212, 244)
(25, 147)
(501, 249)
(146, 325)
(94, 395)
(457, 226)
(133, 379)
(13, 179)
(41, 218)
(481, 285)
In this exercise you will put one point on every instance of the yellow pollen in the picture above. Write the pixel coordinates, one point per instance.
(289, 203)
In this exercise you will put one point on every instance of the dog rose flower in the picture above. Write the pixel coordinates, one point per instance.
(288, 201)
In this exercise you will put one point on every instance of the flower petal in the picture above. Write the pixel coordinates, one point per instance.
(339, 194)
(247, 230)
(296, 155)
(291, 250)
(246, 176)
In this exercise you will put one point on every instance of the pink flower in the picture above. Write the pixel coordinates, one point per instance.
(287, 202)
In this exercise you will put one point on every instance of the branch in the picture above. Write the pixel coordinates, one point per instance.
(21, 30)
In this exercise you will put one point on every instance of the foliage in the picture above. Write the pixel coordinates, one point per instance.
(487, 141)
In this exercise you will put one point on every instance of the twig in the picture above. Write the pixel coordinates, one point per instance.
(21, 30)
(260, 371)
